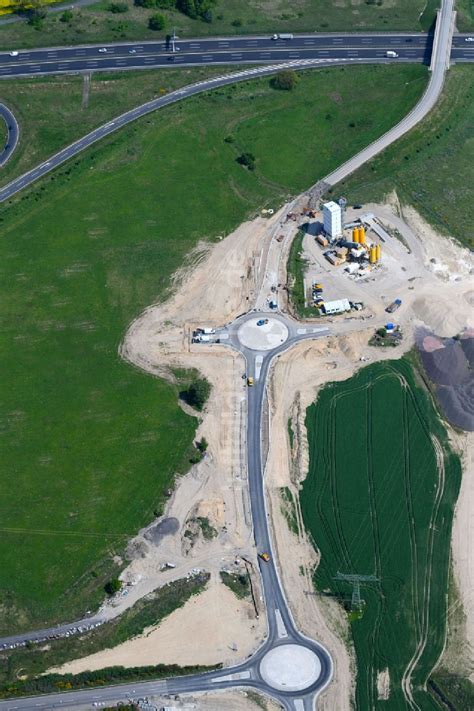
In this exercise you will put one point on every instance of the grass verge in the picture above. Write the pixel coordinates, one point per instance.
(295, 271)
(96, 23)
(431, 167)
(89, 444)
(35, 660)
(238, 583)
(55, 111)
(379, 500)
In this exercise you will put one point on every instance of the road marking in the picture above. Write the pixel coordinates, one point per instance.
(258, 366)
(281, 629)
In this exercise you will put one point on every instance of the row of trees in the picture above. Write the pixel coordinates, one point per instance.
(195, 9)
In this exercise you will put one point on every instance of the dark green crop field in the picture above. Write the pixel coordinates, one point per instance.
(379, 500)
(87, 443)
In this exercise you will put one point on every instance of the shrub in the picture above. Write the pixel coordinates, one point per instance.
(247, 160)
(66, 16)
(118, 7)
(112, 586)
(285, 80)
(157, 22)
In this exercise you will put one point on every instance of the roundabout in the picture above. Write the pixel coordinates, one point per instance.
(290, 667)
(262, 334)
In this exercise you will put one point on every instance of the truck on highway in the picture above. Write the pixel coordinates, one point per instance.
(283, 36)
(391, 53)
(393, 306)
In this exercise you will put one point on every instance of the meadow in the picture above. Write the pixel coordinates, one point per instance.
(97, 23)
(379, 500)
(431, 167)
(88, 443)
(53, 111)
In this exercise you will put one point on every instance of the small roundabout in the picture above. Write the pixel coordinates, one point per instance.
(290, 667)
(262, 334)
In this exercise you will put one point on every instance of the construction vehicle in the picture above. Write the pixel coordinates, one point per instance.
(265, 557)
(250, 381)
(317, 287)
(393, 306)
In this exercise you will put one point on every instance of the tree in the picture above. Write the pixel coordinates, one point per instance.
(247, 159)
(112, 586)
(157, 22)
(202, 445)
(198, 392)
(285, 80)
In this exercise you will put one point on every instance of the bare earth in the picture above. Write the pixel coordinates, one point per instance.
(225, 281)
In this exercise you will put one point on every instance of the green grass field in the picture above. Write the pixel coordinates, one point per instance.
(431, 167)
(379, 500)
(95, 23)
(51, 113)
(89, 443)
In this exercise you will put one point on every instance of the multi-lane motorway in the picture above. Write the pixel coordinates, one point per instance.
(414, 47)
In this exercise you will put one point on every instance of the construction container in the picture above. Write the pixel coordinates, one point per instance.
(322, 240)
(355, 235)
(341, 251)
(362, 235)
(378, 251)
(373, 254)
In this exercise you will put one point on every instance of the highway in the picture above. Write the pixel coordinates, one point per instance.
(13, 134)
(414, 47)
(302, 688)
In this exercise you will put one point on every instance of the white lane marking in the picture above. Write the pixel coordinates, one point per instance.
(309, 42)
(258, 366)
(232, 677)
(281, 629)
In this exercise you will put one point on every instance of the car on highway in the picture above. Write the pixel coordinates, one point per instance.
(265, 557)
(469, 39)
(132, 51)
(250, 381)
(13, 53)
(102, 50)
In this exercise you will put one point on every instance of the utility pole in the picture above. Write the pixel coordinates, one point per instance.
(356, 580)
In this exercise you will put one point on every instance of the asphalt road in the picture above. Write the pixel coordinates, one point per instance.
(281, 627)
(415, 47)
(439, 64)
(13, 134)
(18, 184)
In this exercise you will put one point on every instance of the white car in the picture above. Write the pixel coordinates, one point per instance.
(14, 53)
(132, 51)
(102, 49)
(469, 39)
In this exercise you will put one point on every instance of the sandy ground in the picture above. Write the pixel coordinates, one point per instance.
(223, 282)
(231, 633)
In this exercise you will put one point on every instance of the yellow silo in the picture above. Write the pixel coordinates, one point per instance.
(362, 235)
(355, 235)
(373, 254)
(378, 252)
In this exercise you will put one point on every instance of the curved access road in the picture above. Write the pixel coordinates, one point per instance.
(18, 184)
(13, 134)
(440, 60)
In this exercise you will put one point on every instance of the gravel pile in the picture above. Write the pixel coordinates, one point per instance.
(449, 363)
